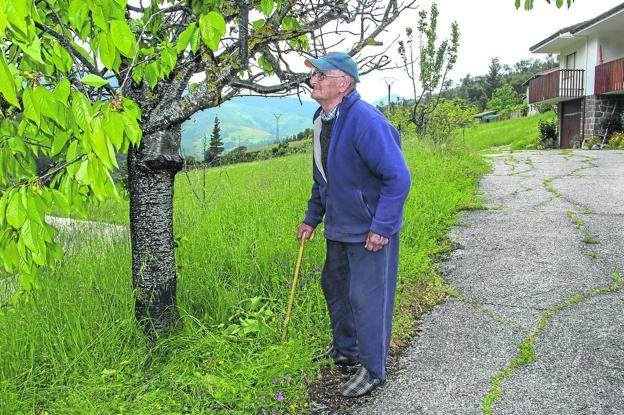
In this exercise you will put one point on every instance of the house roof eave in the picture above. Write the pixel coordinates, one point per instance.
(546, 45)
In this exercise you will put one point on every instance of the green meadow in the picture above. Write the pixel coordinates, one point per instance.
(73, 346)
(515, 134)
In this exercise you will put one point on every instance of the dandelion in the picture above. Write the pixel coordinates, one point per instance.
(305, 405)
(279, 396)
(158, 407)
(293, 407)
(274, 380)
(220, 362)
(286, 366)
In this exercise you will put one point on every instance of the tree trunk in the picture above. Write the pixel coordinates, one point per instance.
(151, 172)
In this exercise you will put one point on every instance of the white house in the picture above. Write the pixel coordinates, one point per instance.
(589, 84)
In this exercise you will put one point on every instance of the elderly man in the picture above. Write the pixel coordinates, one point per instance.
(360, 185)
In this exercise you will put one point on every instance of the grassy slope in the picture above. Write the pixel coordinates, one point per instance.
(517, 134)
(74, 348)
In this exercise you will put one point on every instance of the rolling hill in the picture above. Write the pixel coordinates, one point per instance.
(248, 121)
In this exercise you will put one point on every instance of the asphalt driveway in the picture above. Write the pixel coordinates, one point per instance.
(534, 323)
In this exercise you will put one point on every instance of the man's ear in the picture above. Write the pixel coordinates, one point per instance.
(344, 87)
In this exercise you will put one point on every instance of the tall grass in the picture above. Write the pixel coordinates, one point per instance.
(74, 348)
(517, 133)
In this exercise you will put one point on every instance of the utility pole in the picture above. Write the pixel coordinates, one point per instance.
(389, 81)
(277, 117)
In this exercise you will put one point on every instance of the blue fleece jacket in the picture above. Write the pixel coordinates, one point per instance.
(367, 180)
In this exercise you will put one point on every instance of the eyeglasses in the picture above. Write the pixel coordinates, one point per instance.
(322, 75)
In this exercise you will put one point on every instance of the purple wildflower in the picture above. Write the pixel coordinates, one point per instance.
(279, 396)
(274, 411)
(303, 282)
(287, 284)
(283, 264)
(262, 410)
(287, 378)
(315, 269)
(274, 380)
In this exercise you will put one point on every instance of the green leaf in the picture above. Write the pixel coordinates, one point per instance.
(29, 233)
(33, 49)
(32, 106)
(107, 50)
(62, 59)
(18, 15)
(15, 213)
(58, 143)
(265, 64)
(33, 211)
(212, 28)
(266, 6)
(61, 202)
(11, 256)
(195, 41)
(131, 107)
(82, 175)
(151, 74)
(93, 80)
(289, 23)
(78, 13)
(185, 37)
(257, 24)
(72, 153)
(137, 73)
(81, 109)
(7, 83)
(131, 128)
(61, 92)
(122, 37)
(97, 139)
(97, 14)
(3, 19)
(114, 127)
(169, 58)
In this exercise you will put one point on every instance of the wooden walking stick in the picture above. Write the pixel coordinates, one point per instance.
(293, 286)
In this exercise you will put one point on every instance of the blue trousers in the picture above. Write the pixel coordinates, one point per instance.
(359, 288)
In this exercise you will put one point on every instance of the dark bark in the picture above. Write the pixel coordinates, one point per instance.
(151, 172)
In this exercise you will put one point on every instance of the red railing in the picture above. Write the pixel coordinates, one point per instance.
(609, 77)
(563, 83)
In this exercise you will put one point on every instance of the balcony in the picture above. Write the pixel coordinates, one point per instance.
(610, 77)
(558, 85)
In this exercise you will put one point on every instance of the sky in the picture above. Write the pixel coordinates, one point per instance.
(488, 28)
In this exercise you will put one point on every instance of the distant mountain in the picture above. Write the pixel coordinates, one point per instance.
(248, 121)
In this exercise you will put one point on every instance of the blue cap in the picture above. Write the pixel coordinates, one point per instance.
(335, 60)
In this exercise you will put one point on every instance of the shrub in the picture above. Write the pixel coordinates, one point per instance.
(611, 124)
(616, 141)
(548, 134)
(594, 142)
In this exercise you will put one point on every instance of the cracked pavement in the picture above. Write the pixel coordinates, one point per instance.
(529, 252)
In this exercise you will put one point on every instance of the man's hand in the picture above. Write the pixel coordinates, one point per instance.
(374, 242)
(303, 227)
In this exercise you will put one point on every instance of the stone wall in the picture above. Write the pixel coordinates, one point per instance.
(597, 108)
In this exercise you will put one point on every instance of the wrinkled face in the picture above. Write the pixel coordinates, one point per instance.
(329, 86)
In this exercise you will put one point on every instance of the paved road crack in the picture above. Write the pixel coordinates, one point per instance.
(479, 307)
(526, 350)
